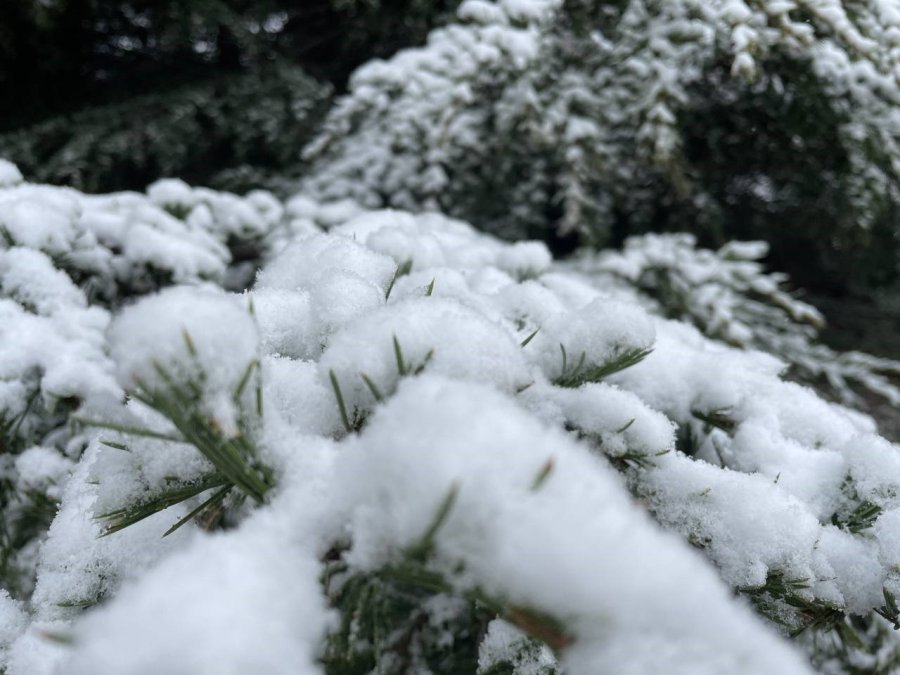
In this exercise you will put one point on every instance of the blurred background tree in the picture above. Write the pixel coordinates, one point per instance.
(111, 95)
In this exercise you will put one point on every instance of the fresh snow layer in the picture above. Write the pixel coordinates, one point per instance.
(183, 334)
(576, 547)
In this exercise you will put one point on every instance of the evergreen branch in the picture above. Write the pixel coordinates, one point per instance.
(889, 610)
(119, 519)
(84, 603)
(217, 498)
(861, 518)
(189, 343)
(626, 426)
(342, 407)
(628, 459)
(234, 457)
(581, 373)
(245, 378)
(114, 445)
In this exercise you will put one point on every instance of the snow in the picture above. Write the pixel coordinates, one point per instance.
(76, 566)
(304, 261)
(12, 621)
(575, 547)
(41, 468)
(504, 642)
(48, 331)
(254, 575)
(9, 173)
(287, 324)
(185, 331)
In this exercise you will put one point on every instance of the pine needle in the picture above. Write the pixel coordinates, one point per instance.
(336, 387)
(542, 475)
(126, 429)
(402, 270)
(216, 499)
(398, 355)
(119, 519)
(531, 337)
(422, 549)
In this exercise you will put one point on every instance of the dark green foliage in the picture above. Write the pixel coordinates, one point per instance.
(112, 95)
(889, 611)
(26, 517)
(768, 161)
(232, 132)
(234, 455)
(529, 653)
(784, 601)
(332, 37)
(855, 644)
(855, 514)
(401, 271)
(392, 624)
(119, 519)
(37, 419)
(581, 371)
(397, 619)
(861, 518)
(716, 419)
(608, 133)
(354, 421)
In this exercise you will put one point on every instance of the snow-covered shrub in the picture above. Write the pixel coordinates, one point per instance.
(728, 296)
(737, 119)
(411, 447)
(66, 258)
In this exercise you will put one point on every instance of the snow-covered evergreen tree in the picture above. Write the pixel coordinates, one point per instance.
(728, 118)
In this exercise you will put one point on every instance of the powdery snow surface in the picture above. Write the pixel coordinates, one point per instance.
(182, 333)
(131, 242)
(420, 326)
(576, 547)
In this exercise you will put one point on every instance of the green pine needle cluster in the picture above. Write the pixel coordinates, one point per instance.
(234, 455)
(574, 375)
